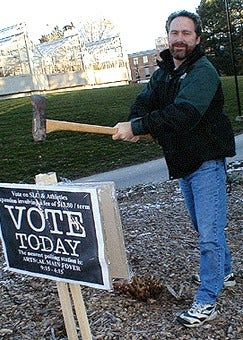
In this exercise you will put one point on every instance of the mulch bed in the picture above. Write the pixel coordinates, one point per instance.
(162, 254)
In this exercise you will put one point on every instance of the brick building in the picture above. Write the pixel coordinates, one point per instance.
(143, 64)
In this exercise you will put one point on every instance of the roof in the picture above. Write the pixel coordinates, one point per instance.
(51, 46)
(142, 53)
(9, 34)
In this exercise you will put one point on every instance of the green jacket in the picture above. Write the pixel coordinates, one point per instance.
(183, 110)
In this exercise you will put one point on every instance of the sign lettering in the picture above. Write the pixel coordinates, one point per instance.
(54, 233)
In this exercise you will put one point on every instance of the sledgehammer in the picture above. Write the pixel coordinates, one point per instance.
(41, 126)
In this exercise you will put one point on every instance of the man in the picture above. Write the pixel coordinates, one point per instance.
(182, 107)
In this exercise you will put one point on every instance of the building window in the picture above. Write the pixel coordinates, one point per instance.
(147, 73)
(145, 59)
(135, 61)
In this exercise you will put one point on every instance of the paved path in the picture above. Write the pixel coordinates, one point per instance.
(148, 172)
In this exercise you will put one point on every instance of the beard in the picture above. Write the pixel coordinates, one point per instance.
(180, 50)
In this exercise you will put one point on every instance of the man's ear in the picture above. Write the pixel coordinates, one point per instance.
(198, 40)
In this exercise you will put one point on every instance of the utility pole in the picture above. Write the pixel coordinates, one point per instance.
(239, 118)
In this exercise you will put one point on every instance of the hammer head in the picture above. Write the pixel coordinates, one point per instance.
(39, 117)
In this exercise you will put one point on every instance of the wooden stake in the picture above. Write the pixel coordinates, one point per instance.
(67, 311)
(63, 290)
(80, 311)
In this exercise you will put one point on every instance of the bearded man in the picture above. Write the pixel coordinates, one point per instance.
(182, 108)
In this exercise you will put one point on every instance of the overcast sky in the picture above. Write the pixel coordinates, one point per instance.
(139, 22)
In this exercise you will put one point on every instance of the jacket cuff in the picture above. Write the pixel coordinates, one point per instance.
(137, 126)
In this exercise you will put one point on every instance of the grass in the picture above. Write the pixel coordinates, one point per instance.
(72, 155)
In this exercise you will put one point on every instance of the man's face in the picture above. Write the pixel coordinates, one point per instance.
(182, 37)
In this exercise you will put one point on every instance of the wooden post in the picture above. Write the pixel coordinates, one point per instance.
(64, 293)
(80, 311)
(67, 311)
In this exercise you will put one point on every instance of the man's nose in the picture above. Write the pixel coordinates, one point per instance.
(179, 37)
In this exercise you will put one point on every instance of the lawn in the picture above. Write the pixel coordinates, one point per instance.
(71, 154)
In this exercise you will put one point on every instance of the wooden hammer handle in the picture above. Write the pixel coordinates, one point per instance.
(59, 125)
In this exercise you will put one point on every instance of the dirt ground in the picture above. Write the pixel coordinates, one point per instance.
(162, 254)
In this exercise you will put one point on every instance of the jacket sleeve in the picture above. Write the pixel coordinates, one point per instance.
(148, 100)
(195, 95)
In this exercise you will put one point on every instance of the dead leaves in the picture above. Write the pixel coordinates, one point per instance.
(148, 289)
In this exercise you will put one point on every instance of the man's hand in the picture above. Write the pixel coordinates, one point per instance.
(124, 132)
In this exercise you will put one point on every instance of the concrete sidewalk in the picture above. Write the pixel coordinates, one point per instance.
(148, 172)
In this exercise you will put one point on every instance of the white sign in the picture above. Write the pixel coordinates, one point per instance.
(54, 231)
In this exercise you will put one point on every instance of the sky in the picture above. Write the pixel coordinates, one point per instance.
(138, 22)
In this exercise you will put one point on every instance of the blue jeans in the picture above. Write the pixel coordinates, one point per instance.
(204, 192)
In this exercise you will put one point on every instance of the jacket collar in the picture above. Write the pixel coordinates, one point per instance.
(168, 63)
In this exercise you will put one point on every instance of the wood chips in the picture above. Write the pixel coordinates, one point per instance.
(162, 253)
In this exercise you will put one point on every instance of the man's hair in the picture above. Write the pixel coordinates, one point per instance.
(194, 17)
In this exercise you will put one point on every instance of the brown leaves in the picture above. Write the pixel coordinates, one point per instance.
(141, 288)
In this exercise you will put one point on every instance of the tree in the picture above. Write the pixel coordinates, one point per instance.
(90, 31)
(57, 33)
(215, 35)
(97, 30)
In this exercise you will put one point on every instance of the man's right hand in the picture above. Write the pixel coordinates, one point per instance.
(124, 132)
